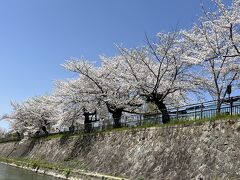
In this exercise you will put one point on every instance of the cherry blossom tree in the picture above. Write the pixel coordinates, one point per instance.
(204, 58)
(73, 98)
(158, 72)
(33, 115)
(214, 47)
(227, 19)
(106, 88)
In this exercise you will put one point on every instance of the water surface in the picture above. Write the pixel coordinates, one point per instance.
(14, 173)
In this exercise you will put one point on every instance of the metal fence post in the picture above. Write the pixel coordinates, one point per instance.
(231, 106)
(201, 110)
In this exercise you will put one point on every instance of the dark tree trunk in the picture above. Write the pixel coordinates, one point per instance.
(158, 100)
(219, 104)
(165, 115)
(18, 135)
(44, 128)
(72, 128)
(87, 122)
(88, 127)
(117, 114)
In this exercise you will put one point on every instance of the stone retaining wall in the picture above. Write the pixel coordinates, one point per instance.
(206, 151)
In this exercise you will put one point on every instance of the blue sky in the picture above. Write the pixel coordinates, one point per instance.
(37, 36)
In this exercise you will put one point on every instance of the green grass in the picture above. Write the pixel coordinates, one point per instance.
(150, 125)
(50, 136)
(146, 124)
(195, 121)
(178, 122)
(7, 141)
(36, 163)
(62, 169)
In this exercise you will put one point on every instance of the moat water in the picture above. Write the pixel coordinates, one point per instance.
(13, 173)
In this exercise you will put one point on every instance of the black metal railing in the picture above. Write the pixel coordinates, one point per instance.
(192, 112)
(184, 113)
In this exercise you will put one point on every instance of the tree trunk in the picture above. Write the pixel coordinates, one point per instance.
(88, 127)
(165, 115)
(72, 128)
(117, 114)
(87, 121)
(45, 130)
(218, 110)
(18, 135)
